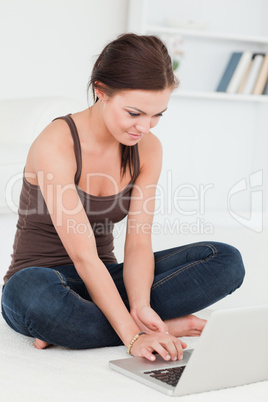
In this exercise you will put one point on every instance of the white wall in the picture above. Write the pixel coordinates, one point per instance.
(48, 46)
(47, 49)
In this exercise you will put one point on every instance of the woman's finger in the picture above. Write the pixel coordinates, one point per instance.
(170, 346)
(183, 344)
(159, 325)
(174, 347)
(179, 348)
(145, 352)
(161, 350)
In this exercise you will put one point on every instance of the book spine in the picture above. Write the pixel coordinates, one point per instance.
(244, 78)
(253, 74)
(263, 77)
(228, 72)
(239, 72)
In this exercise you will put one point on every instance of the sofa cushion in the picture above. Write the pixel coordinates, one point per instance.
(21, 120)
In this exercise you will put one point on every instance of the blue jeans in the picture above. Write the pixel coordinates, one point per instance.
(53, 304)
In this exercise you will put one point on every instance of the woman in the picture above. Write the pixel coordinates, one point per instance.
(83, 173)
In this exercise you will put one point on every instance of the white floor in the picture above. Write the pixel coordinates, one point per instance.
(58, 374)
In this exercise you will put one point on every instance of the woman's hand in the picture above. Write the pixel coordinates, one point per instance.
(168, 346)
(148, 320)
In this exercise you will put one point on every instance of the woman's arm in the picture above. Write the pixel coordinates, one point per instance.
(139, 258)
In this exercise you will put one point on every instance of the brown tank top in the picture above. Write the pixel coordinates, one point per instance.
(36, 240)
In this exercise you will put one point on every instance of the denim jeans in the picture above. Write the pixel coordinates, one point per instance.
(53, 304)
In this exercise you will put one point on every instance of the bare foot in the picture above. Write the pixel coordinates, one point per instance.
(41, 344)
(189, 325)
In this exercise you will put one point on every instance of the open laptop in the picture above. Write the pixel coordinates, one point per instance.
(232, 351)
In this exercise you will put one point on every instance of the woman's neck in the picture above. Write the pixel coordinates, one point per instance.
(100, 136)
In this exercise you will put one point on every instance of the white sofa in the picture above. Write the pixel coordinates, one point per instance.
(21, 121)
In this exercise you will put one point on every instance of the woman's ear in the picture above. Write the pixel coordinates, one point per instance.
(99, 91)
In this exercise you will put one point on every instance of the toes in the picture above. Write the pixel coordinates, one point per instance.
(40, 344)
(195, 325)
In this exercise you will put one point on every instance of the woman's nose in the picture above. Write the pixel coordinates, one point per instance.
(144, 129)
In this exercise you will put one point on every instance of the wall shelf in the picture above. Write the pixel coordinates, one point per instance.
(206, 34)
(220, 96)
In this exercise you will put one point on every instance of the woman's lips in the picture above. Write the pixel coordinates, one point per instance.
(135, 136)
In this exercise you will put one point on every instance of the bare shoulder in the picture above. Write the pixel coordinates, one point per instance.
(150, 151)
(53, 143)
(56, 134)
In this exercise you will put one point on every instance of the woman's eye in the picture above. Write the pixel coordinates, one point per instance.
(133, 114)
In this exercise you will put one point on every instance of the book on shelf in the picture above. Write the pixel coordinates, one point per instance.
(228, 73)
(239, 72)
(246, 73)
(262, 80)
(252, 77)
(242, 84)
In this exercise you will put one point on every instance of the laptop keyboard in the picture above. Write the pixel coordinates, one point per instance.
(170, 376)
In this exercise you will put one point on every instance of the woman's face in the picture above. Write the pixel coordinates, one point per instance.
(131, 114)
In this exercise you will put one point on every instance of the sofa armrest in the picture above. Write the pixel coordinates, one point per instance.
(22, 120)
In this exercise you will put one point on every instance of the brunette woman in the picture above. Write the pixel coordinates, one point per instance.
(85, 172)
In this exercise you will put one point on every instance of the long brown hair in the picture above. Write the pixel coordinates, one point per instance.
(132, 62)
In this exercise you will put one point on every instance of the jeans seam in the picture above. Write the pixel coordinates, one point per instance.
(185, 247)
(60, 278)
(70, 290)
(167, 278)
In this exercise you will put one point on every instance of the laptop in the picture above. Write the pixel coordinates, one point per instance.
(232, 350)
